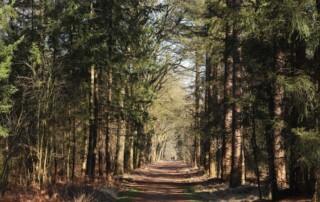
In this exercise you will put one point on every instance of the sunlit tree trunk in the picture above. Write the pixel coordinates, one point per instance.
(275, 140)
(93, 122)
(141, 145)
(212, 113)
(129, 149)
(237, 137)
(74, 147)
(129, 137)
(228, 114)
(279, 150)
(109, 24)
(92, 141)
(121, 137)
(212, 157)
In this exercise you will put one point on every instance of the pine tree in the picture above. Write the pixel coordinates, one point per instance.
(6, 89)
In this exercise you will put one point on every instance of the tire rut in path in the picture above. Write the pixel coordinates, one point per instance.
(160, 182)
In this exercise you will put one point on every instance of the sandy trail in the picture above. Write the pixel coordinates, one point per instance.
(160, 182)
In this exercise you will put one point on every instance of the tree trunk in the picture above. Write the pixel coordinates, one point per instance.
(279, 150)
(108, 123)
(73, 148)
(255, 150)
(92, 141)
(68, 163)
(197, 146)
(237, 166)
(86, 146)
(212, 111)
(142, 142)
(121, 138)
(228, 113)
(109, 24)
(212, 157)
(275, 141)
(129, 149)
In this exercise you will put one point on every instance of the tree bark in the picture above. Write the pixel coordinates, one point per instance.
(275, 141)
(109, 24)
(74, 147)
(92, 141)
(237, 166)
(255, 150)
(212, 111)
(212, 155)
(228, 113)
(141, 144)
(197, 146)
(121, 137)
(279, 150)
(129, 149)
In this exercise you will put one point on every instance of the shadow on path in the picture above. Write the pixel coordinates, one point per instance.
(164, 181)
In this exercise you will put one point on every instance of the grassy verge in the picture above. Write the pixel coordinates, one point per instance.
(190, 190)
(127, 196)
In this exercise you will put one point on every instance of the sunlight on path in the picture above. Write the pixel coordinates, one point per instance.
(163, 181)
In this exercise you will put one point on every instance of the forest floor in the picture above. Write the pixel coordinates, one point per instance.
(159, 182)
(176, 181)
(163, 181)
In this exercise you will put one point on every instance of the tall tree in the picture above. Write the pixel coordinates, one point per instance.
(237, 133)
(197, 138)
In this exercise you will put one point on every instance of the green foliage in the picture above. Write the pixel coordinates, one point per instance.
(35, 55)
(6, 54)
(302, 95)
(3, 131)
(308, 147)
(6, 14)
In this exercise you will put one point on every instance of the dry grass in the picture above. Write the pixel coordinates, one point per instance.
(77, 192)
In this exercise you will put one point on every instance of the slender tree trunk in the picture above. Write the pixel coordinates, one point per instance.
(121, 138)
(68, 164)
(129, 144)
(92, 141)
(86, 146)
(73, 148)
(228, 113)
(212, 111)
(275, 141)
(212, 154)
(197, 146)
(279, 150)
(55, 159)
(237, 166)
(255, 150)
(109, 24)
(207, 120)
(108, 122)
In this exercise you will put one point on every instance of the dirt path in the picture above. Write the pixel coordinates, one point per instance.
(164, 181)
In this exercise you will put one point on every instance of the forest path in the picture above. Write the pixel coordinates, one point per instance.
(160, 182)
